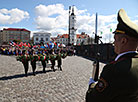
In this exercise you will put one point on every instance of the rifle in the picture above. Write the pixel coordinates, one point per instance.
(95, 72)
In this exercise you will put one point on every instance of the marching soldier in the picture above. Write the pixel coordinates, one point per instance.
(33, 61)
(52, 59)
(118, 81)
(25, 61)
(59, 60)
(43, 61)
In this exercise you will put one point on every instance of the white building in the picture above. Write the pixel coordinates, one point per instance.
(41, 37)
(72, 26)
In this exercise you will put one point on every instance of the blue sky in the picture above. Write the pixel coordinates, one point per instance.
(52, 15)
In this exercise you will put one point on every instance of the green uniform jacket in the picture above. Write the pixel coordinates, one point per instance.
(118, 81)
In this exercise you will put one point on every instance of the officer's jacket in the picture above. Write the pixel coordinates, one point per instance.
(118, 81)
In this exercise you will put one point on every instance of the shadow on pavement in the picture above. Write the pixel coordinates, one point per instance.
(23, 75)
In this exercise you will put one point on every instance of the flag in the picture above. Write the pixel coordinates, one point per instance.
(55, 43)
(110, 29)
(48, 44)
(29, 45)
(21, 44)
(14, 44)
(25, 44)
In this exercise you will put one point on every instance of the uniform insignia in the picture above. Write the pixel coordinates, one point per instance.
(136, 56)
(113, 62)
(101, 85)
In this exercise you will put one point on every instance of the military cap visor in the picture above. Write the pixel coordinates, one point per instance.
(125, 25)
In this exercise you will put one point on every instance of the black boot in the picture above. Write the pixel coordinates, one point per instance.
(60, 68)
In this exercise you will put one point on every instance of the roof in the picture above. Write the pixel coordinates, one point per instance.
(16, 29)
(64, 36)
(77, 35)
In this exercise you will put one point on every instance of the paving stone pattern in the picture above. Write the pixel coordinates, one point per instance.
(69, 85)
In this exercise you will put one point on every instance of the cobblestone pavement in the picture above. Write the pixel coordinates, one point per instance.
(69, 85)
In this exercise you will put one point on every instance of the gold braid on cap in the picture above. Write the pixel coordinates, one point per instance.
(119, 31)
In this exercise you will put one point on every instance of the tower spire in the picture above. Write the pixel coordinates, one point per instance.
(72, 26)
(72, 10)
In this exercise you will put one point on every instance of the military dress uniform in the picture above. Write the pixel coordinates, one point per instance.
(25, 62)
(118, 81)
(44, 65)
(52, 59)
(59, 61)
(117, 78)
(33, 64)
(33, 61)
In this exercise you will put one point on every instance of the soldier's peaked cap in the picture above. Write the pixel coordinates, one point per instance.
(125, 25)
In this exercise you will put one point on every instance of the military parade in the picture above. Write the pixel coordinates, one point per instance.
(33, 55)
(68, 51)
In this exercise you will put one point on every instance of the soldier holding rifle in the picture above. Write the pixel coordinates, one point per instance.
(118, 81)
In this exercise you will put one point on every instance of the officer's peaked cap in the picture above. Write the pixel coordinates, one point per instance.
(125, 25)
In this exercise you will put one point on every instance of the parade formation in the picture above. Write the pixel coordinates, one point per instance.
(34, 53)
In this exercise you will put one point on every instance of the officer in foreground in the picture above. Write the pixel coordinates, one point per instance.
(118, 81)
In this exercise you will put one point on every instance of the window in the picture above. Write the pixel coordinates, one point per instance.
(36, 39)
(72, 32)
(41, 39)
(46, 39)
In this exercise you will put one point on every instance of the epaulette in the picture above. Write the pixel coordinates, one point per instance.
(120, 59)
(113, 62)
(136, 56)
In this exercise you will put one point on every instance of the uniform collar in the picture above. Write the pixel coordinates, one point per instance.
(120, 55)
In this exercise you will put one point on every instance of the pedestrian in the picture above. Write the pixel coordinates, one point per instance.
(118, 81)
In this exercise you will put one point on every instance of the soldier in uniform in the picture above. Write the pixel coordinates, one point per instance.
(59, 60)
(33, 61)
(52, 59)
(118, 81)
(25, 62)
(43, 62)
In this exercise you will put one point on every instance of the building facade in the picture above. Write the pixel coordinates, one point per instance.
(72, 26)
(9, 34)
(62, 39)
(0, 37)
(80, 38)
(41, 37)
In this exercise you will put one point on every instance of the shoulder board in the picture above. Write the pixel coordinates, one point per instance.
(120, 59)
(136, 56)
(113, 62)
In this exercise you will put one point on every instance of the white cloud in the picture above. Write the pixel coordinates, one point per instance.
(51, 18)
(86, 23)
(136, 21)
(54, 19)
(2, 27)
(12, 16)
(49, 10)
